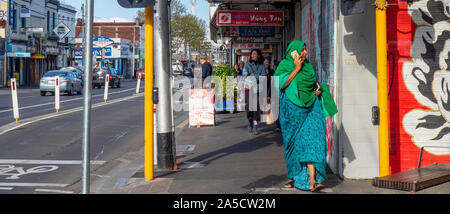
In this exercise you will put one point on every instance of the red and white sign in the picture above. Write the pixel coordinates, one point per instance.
(248, 46)
(250, 18)
(201, 107)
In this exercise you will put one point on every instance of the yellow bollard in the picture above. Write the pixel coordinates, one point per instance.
(148, 129)
(382, 79)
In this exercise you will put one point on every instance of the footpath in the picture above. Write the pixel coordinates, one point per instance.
(226, 159)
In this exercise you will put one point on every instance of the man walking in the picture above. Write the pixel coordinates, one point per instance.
(206, 72)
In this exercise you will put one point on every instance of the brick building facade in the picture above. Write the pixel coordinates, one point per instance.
(123, 30)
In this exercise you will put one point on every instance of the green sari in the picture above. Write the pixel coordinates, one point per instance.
(302, 120)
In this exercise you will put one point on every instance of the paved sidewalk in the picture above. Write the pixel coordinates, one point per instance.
(226, 159)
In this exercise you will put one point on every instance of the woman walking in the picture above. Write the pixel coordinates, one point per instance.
(304, 104)
(253, 69)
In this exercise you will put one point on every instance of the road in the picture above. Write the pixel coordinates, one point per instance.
(42, 153)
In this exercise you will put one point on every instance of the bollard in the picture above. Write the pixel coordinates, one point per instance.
(138, 84)
(57, 93)
(105, 96)
(14, 99)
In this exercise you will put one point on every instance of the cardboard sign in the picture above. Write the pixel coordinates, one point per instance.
(201, 107)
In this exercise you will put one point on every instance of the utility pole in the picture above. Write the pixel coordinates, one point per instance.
(382, 79)
(165, 134)
(83, 31)
(87, 56)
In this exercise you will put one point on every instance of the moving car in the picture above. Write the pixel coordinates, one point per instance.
(99, 75)
(78, 72)
(69, 83)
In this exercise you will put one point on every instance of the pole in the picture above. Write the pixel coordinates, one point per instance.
(57, 82)
(87, 56)
(134, 52)
(83, 32)
(383, 128)
(165, 137)
(148, 108)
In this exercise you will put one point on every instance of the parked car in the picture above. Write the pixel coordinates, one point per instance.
(99, 75)
(78, 72)
(69, 83)
(188, 72)
(176, 73)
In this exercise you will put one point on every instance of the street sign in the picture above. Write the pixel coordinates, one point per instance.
(61, 30)
(136, 3)
(102, 41)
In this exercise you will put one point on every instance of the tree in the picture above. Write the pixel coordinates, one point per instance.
(186, 29)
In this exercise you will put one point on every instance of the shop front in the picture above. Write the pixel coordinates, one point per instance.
(18, 61)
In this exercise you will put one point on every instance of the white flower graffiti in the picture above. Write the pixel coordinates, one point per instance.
(427, 76)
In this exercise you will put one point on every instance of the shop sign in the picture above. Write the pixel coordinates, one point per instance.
(257, 31)
(25, 12)
(249, 40)
(248, 46)
(250, 18)
(96, 50)
(102, 41)
(18, 54)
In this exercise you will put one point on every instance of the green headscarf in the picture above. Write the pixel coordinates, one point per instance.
(301, 90)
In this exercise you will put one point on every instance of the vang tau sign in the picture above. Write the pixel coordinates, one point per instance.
(250, 18)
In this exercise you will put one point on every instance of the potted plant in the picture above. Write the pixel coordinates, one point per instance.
(222, 71)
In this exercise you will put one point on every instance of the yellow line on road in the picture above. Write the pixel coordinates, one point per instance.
(183, 124)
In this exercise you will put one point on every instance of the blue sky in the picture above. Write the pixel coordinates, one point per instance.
(107, 10)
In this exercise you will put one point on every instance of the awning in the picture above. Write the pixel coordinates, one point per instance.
(38, 56)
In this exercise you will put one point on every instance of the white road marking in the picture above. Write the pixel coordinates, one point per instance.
(69, 100)
(53, 190)
(55, 162)
(32, 184)
(12, 126)
(6, 188)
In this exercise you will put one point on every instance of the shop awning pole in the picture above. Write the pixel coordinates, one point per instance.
(382, 77)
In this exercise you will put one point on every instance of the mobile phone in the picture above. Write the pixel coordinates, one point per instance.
(294, 54)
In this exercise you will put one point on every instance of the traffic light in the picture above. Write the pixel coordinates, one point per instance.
(136, 3)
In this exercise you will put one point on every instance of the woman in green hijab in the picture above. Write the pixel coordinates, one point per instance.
(304, 105)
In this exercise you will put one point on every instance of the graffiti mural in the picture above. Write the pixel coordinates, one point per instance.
(318, 33)
(419, 43)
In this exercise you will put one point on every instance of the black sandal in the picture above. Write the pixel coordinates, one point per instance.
(316, 187)
(289, 184)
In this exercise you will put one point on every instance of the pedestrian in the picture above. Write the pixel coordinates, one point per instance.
(206, 72)
(269, 74)
(278, 127)
(253, 69)
(304, 104)
(237, 71)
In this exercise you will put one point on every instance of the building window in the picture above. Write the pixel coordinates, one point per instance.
(53, 21)
(14, 19)
(24, 23)
(48, 21)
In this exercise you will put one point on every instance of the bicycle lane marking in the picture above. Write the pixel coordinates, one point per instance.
(12, 172)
